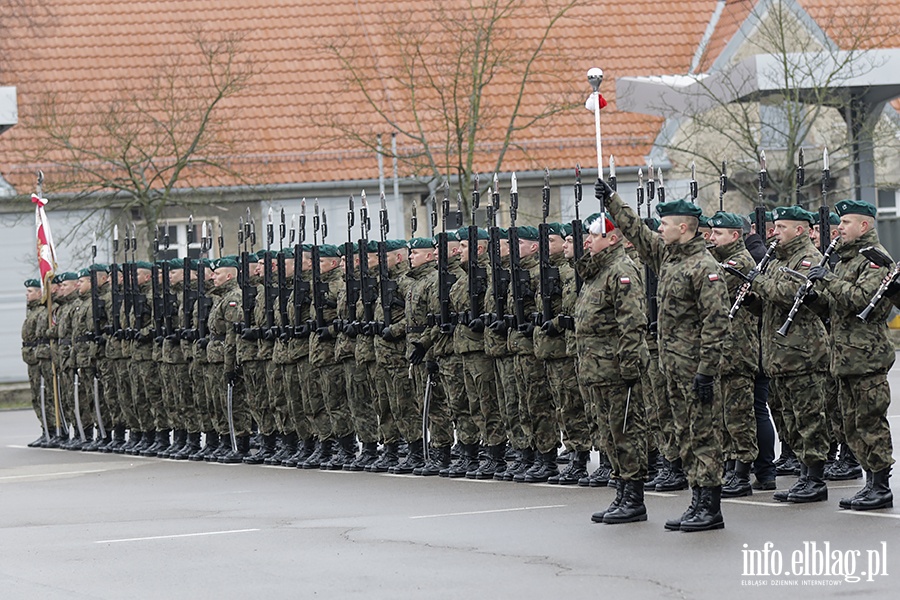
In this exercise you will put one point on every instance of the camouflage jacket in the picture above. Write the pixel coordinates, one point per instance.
(42, 347)
(321, 351)
(520, 343)
(83, 346)
(610, 318)
(740, 355)
(393, 354)
(142, 349)
(693, 299)
(172, 352)
(225, 312)
(344, 346)
(364, 345)
(31, 328)
(442, 344)
(858, 348)
(547, 347)
(495, 344)
(464, 339)
(805, 347)
(652, 341)
(63, 328)
(419, 304)
(262, 346)
(298, 345)
(281, 352)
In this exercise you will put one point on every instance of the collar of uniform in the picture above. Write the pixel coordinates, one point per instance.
(848, 251)
(693, 246)
(558, 259)
(728, 250)
(590, 265)
(401, 268)
(422, 270)
(529, 262)
(333, 274)
(34, 303)
(799, 243)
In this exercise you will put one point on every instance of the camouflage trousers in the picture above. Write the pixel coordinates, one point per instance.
(659, 410)
(313, 400)
(536, 410)
(66, 384)
(864, 403)
(277, 399)
(571, 416)
(508, 395)
(46, 371)
(453, 383)
(405, 403)
(833, 410)
(254, 376)
(622, 420)
(334, 393)
(168, 396)
(481, 390)
(361, 400)
(85, 406)
(146, 395)
(34, 384)
(124, 384)
(111, 412)
(217, 392)
(182, 415)
(388, 422)
(199, 400)
(698, 432)
(802, 401)
(776, 409)
(440, 423)
(738, 417)
(293, 392)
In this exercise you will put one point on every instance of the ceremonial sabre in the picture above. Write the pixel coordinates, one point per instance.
(595, 77)
(78, 409)
(229, 397)
(44, 411)
(426, 406)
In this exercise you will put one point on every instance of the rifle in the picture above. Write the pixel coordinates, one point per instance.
(695, 190)
(319, 287)
(519, 278)
(499, 276)
(759, 213)
(651, 281)
(801, 176)
(549, 274)
(170, 304)
(115, 290)
(723, 187)
(367, 283)
(388, 287)
(248, 290)
(127, 294)
(282, 290)
(301, 287)
(268, 287)
(804, 290)
(824, 211)
(138, 299)
(351, 283)
(156, 291)
(96, 302)
(187, 296)
(881, 259)
(578, 228)
(748, 279)
(446, 320)
(477, 274)
(204, 303)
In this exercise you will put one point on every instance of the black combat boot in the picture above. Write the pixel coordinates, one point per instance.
(320, 455)
(305, 449)
(546, 468)
(879, 494)
(386, 461)
(179, 439)
(782, 495)
(631, 508)
(134, 438)
(847, 503)
(191, 445)
(675, 524)
(287, 446)
(414, 458)
(161, 443)
(653, 459)
(787, 463)
(739, 484)
(148, 438)
(676, 479)
(38, 443)
(709, 513)
(601, 476)
(597, 517)
(492, 463)
(534, 466)
(467, 461)
(266, 450)
(830, 459)
(524, 460)
(815, 489)
(846, 467)
(224, 448)
(345, 454)
(438, 459)
(78, 443)
(212, 442)
(577, 469)
(99, 441)
(118, 440)
(368, 456)
(729, 470)
(661, 475)
(236, 457)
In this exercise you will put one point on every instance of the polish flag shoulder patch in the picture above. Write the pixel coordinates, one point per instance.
(873, 266)
(232, 303)
(732, 263)
(713, 276)
(805, 263)
(625, 280)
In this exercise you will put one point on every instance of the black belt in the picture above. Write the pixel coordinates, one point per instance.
(42, 341)
(64, 342)
(415, 329)
(84, 338)
(217, 338)
(29, 344)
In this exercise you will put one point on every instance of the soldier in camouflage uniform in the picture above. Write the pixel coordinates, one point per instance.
(797, 361)
(398, 414)
(693, 327)
(253, 351)
(739, 366)
(862, 354)
(146, 395)
(610, 324)
(274, 367)
(84, 351)
(196, 348)
(35, 320)
(44, 354)
(61, 344)
(186, 439)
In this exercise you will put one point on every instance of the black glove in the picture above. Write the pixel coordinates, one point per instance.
(811, 297)
(271, 334)
(141, 338)
(351, 330)
(418, 353)
(550, 329)
(630, 383)
(301, 331)
(499, 327)
(892, 289)
(703, 387)
(387, 335)
(324, 333)
(818, 273)
(476, 325)
(203, 343)
(286, 333)
(602, 191)
(251, 334)
(567, 322)
(367, 328)
(526, 329)
(172, 337)
(231, 377)
(159, 340)
(432, 367)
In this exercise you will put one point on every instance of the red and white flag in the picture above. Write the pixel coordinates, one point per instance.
(46, 251)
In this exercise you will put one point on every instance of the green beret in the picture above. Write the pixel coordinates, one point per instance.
(99, 267)
(289, 252)
(84, 273)
(32, 283)
(726, 220)
(452, 236)
(421, 242)
(792, 213)
(393, 245)
(143, 264)
(833, 219)
(68, 276)
(56, 278)
(557, 229)
(770, 217)
(342, 247)
(704, 220)
(529, 233)
(328, 251)
(678, 208)
(176, 263)
(372, 246)
(227, 261)
(855, 207)
(504, 232)
(567, 229)
(463, 233)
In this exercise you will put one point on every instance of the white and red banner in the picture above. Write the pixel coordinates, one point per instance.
(46, 251)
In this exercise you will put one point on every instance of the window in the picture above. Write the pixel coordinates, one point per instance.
(184, 243)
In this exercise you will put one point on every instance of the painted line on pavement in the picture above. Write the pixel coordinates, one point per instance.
(16, 446)
(180, 535)
(58, 474)
(488, 512)
(867, 513)
(755, 503)
(661, 494)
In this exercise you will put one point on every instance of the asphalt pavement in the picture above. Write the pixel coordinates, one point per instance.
(85, 525)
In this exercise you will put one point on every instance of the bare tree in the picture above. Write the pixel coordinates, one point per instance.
(430, 82)
(133, 151)
(800, 116)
